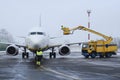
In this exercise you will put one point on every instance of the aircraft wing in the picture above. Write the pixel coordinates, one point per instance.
(63, 49)
(10, 43)
(68, 44)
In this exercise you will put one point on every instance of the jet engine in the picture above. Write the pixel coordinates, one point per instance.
(12, 50)
(64, 50)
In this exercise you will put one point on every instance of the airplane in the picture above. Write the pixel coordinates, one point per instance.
(38, 39)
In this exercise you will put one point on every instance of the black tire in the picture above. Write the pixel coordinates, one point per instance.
(92, 55)
(54, 55)
(101, 55)
(50, 55)
(87, 56)
(27, 55)
(108, 55)
(23, 55)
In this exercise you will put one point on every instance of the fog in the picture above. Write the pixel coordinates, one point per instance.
(18, 16)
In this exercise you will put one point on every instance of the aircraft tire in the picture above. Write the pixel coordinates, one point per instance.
(27, 55)
(23, 55)
(54, 55)
(50, 55)
(92, 55)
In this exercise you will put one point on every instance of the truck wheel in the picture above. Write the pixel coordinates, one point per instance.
(87, 56)
(108, 55)
(92, 55)
(101, 56)
(27, 55)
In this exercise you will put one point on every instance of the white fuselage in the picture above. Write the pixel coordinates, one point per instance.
(37, 39)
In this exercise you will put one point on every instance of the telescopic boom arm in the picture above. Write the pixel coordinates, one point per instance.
(67, 31)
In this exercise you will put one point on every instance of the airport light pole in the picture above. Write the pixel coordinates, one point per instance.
(88, 12)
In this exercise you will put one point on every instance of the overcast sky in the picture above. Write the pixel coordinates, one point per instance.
(18, 16)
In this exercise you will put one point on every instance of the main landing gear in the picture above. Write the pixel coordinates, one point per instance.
(52, 54)
(25, 54)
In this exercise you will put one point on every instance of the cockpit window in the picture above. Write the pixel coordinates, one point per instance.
(32, 33)
(37, 33)
(40, 33)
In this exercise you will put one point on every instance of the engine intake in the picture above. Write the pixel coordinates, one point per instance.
(64, 50)
(12, 50)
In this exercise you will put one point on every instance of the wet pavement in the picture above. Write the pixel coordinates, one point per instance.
(72, 67)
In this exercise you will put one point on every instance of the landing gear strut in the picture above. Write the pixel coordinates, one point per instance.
(25, 54)
(52, 54)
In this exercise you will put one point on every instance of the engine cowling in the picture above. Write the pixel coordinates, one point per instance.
(12, 50)
(64, 50)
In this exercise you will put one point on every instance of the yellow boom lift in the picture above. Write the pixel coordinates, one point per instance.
(101, 48)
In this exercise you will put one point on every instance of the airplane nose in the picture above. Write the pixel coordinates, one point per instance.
(36, 46)
(36, 41)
